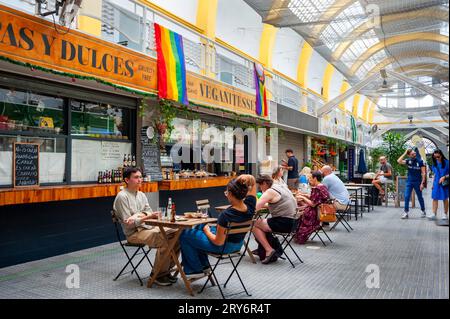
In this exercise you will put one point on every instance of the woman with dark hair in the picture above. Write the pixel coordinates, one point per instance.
(241, 194)
(439, 192)
(319, 195)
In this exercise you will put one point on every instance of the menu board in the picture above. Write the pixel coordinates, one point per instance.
(400, 190)
(151, 157)
(26, 165)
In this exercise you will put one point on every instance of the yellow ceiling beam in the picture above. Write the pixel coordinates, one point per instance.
(430, 13)
(371, 113)
(207, 17)
(355, 105)
(326, 82)
(266, 45)
(303, 64)
(344, 87)
(409, 55)
(416, 36)
(366, 106)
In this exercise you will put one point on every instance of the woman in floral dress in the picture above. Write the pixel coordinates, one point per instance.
(309, 221)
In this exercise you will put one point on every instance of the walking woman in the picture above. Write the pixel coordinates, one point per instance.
(440, 183)
(309, 220)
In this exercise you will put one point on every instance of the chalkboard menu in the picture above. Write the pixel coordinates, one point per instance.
(26, 164)
(151, 159)
(400, 188)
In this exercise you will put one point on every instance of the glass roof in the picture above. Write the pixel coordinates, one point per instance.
(343, 24)
(309, 10)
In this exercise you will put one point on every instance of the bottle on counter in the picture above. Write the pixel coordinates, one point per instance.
(125, 163)
(99, 177)
(169, 208)
(174, 213)
(133, 161)
(129, 160)
(104, 181)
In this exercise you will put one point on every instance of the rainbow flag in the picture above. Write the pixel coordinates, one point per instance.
(262, 108)
(171, 65)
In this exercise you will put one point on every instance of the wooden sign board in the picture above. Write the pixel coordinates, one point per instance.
(26, 165)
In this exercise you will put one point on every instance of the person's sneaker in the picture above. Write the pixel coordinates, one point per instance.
(207, 270)
(163, 281)
(423, 215)
(444, 217)
(172, 279)
(195, 275)
(404, 215)
(431, 217)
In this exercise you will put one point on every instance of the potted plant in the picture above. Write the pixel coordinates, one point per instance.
(161, 116)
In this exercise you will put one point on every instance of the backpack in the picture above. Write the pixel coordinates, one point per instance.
(274, 243)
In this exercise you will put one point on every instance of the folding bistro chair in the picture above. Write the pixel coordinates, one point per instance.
(287, 239)
(321, 229)
(232, 228)
(340, 218)
(203, 205)
(140, 250)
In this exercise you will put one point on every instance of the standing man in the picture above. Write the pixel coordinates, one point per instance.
(132, 209)
(416, 180)
(292, 167)
(383, 176)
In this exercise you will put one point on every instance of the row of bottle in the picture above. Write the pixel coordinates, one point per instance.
(171, 211)
(129, 161)
(109, 176)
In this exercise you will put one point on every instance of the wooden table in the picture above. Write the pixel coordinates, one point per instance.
(355, 189)
(170, 243)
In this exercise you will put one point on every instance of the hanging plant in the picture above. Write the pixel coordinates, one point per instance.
(161, 116)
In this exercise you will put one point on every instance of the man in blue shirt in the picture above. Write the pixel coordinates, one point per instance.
(292, 167)
(416, 180)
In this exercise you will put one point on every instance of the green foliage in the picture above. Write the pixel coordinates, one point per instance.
(393, 147)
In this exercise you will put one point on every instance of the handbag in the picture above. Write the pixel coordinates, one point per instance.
(445, 182)
(326, 212)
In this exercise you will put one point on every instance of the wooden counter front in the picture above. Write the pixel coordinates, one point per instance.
(12, 196)
(193, 183)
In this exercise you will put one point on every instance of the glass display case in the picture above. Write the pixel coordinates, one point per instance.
(99, 120)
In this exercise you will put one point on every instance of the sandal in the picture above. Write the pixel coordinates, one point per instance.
(269, 257)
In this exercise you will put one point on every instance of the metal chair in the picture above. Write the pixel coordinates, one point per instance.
(140, 250)
(232, 228)
(287, 239)
(340, 218)
(203, 205)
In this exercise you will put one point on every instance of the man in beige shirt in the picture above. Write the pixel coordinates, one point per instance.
(132, 209)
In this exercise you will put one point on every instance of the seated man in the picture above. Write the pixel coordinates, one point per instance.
(336, 188)
(132, 209)
(383, 176)
(282, 207)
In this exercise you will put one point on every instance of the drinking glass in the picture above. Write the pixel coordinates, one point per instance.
(163, 211)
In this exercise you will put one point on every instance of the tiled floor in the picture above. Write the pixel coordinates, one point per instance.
(412, 257)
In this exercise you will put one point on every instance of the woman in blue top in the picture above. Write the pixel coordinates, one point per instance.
(194, 243)
(440, 170)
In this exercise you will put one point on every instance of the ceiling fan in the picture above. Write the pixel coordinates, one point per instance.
(384, 88)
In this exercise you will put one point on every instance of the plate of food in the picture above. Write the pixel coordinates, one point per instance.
(180, 218)
(193, 215)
